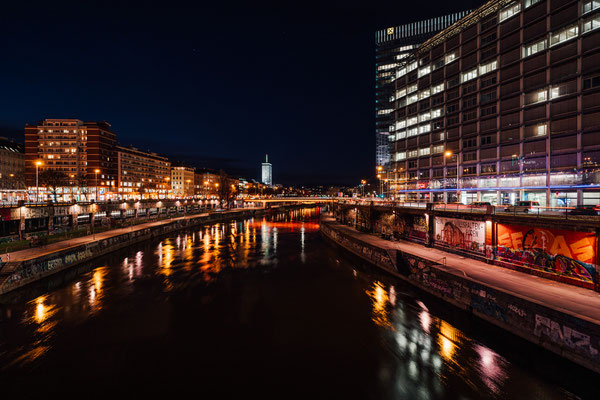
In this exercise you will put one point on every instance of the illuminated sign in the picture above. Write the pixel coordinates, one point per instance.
(390, 31)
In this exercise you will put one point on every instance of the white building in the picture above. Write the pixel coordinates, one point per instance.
(267, 172)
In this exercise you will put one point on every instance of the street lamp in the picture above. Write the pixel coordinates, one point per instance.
(363, 187)
(449, 154)
(37, 190)
(379, 169)
(97, 171)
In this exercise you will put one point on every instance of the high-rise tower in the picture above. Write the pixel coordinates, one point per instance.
(267, 172)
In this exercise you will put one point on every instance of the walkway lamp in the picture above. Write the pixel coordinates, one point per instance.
(37, 191)
(449, 154)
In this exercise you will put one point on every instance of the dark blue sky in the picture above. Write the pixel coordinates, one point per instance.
(216, 86)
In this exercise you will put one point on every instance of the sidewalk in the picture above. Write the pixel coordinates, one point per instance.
(35, 252)
(574, 300)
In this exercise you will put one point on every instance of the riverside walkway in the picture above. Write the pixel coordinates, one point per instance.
(569, 299)
(36, 252)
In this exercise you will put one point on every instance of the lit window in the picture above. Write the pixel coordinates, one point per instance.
(590, 6)
(424, 71)
(412, 132)
(591, 23)
(438, 149)
(424, 117)
(564, 35)
(509, 11)
(536, 47)
(400, 73)
(400, 93)
(437, 89)
(529, 3)
(400, 135)
(541, 96)
(411, 89)
(412, 99)
(469, 75)
(411, 67)
(489, 67)
(424, 128)
(412, 153)
(400, 124)
(425, 151)
(412, 121)
(554, 92)
(423, 94)
(541, 130)
(436, 113)
(450, 57)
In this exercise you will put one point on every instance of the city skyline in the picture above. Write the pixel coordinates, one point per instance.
(157, 88)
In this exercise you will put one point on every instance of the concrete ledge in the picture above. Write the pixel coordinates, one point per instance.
(572, 336)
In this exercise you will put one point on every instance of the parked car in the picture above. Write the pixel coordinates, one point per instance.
(585, 210)
(526, 206)
(480, 203)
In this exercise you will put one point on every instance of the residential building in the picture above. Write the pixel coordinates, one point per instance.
(12, 162)
(142, 174)
(393, 45)
(206, 183)
(182, 181)
(267, 172)
(83, 151)
(502, 106)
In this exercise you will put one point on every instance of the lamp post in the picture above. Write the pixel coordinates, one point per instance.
(362, 182)
(37, 190)
(96, 171)
(379, 169)
(449, 154)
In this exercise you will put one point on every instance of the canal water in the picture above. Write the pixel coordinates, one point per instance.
(262, 307)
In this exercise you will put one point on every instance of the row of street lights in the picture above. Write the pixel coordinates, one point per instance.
(446, 154)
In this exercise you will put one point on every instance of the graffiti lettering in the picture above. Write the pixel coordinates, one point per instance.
(563, 335)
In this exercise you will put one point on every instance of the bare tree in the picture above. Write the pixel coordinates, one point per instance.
(226, 191)
(53, 180)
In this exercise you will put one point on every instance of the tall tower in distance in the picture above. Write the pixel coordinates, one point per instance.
(267, 172)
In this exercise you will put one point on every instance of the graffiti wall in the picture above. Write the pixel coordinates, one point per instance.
(460, 233)
(566, 253)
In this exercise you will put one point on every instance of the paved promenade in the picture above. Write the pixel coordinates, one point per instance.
(584, 303)
(35, 252)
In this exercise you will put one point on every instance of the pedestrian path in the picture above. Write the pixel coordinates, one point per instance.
(35, 252)
(574, 300)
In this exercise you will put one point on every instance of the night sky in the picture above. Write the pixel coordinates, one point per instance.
(216, 86)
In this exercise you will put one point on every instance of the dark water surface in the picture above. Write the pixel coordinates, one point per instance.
(261, 308)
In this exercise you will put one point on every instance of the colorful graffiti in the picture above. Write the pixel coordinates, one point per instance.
(565, 253)
(459, 233)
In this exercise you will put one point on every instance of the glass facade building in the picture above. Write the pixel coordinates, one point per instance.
(501, 106)
(267, 172)
(392, 46)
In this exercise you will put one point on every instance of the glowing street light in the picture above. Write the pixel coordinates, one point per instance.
(96, 171)
(363, 182)
(449, 154)
(37, 191)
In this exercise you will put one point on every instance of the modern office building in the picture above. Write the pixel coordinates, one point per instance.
(142, 174)
(182, 181)
(12, 162)
(267, 172)
(393, 45)
(83, 151)
(501, 106)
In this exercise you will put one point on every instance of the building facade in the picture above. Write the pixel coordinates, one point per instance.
(206, 183)
(502, 106)
(182, 181)
(142, 174)
(12, 163)
(267, 172)
(392, 46)
(83, 151)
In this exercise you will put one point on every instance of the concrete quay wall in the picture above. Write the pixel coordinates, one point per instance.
(571, 336)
